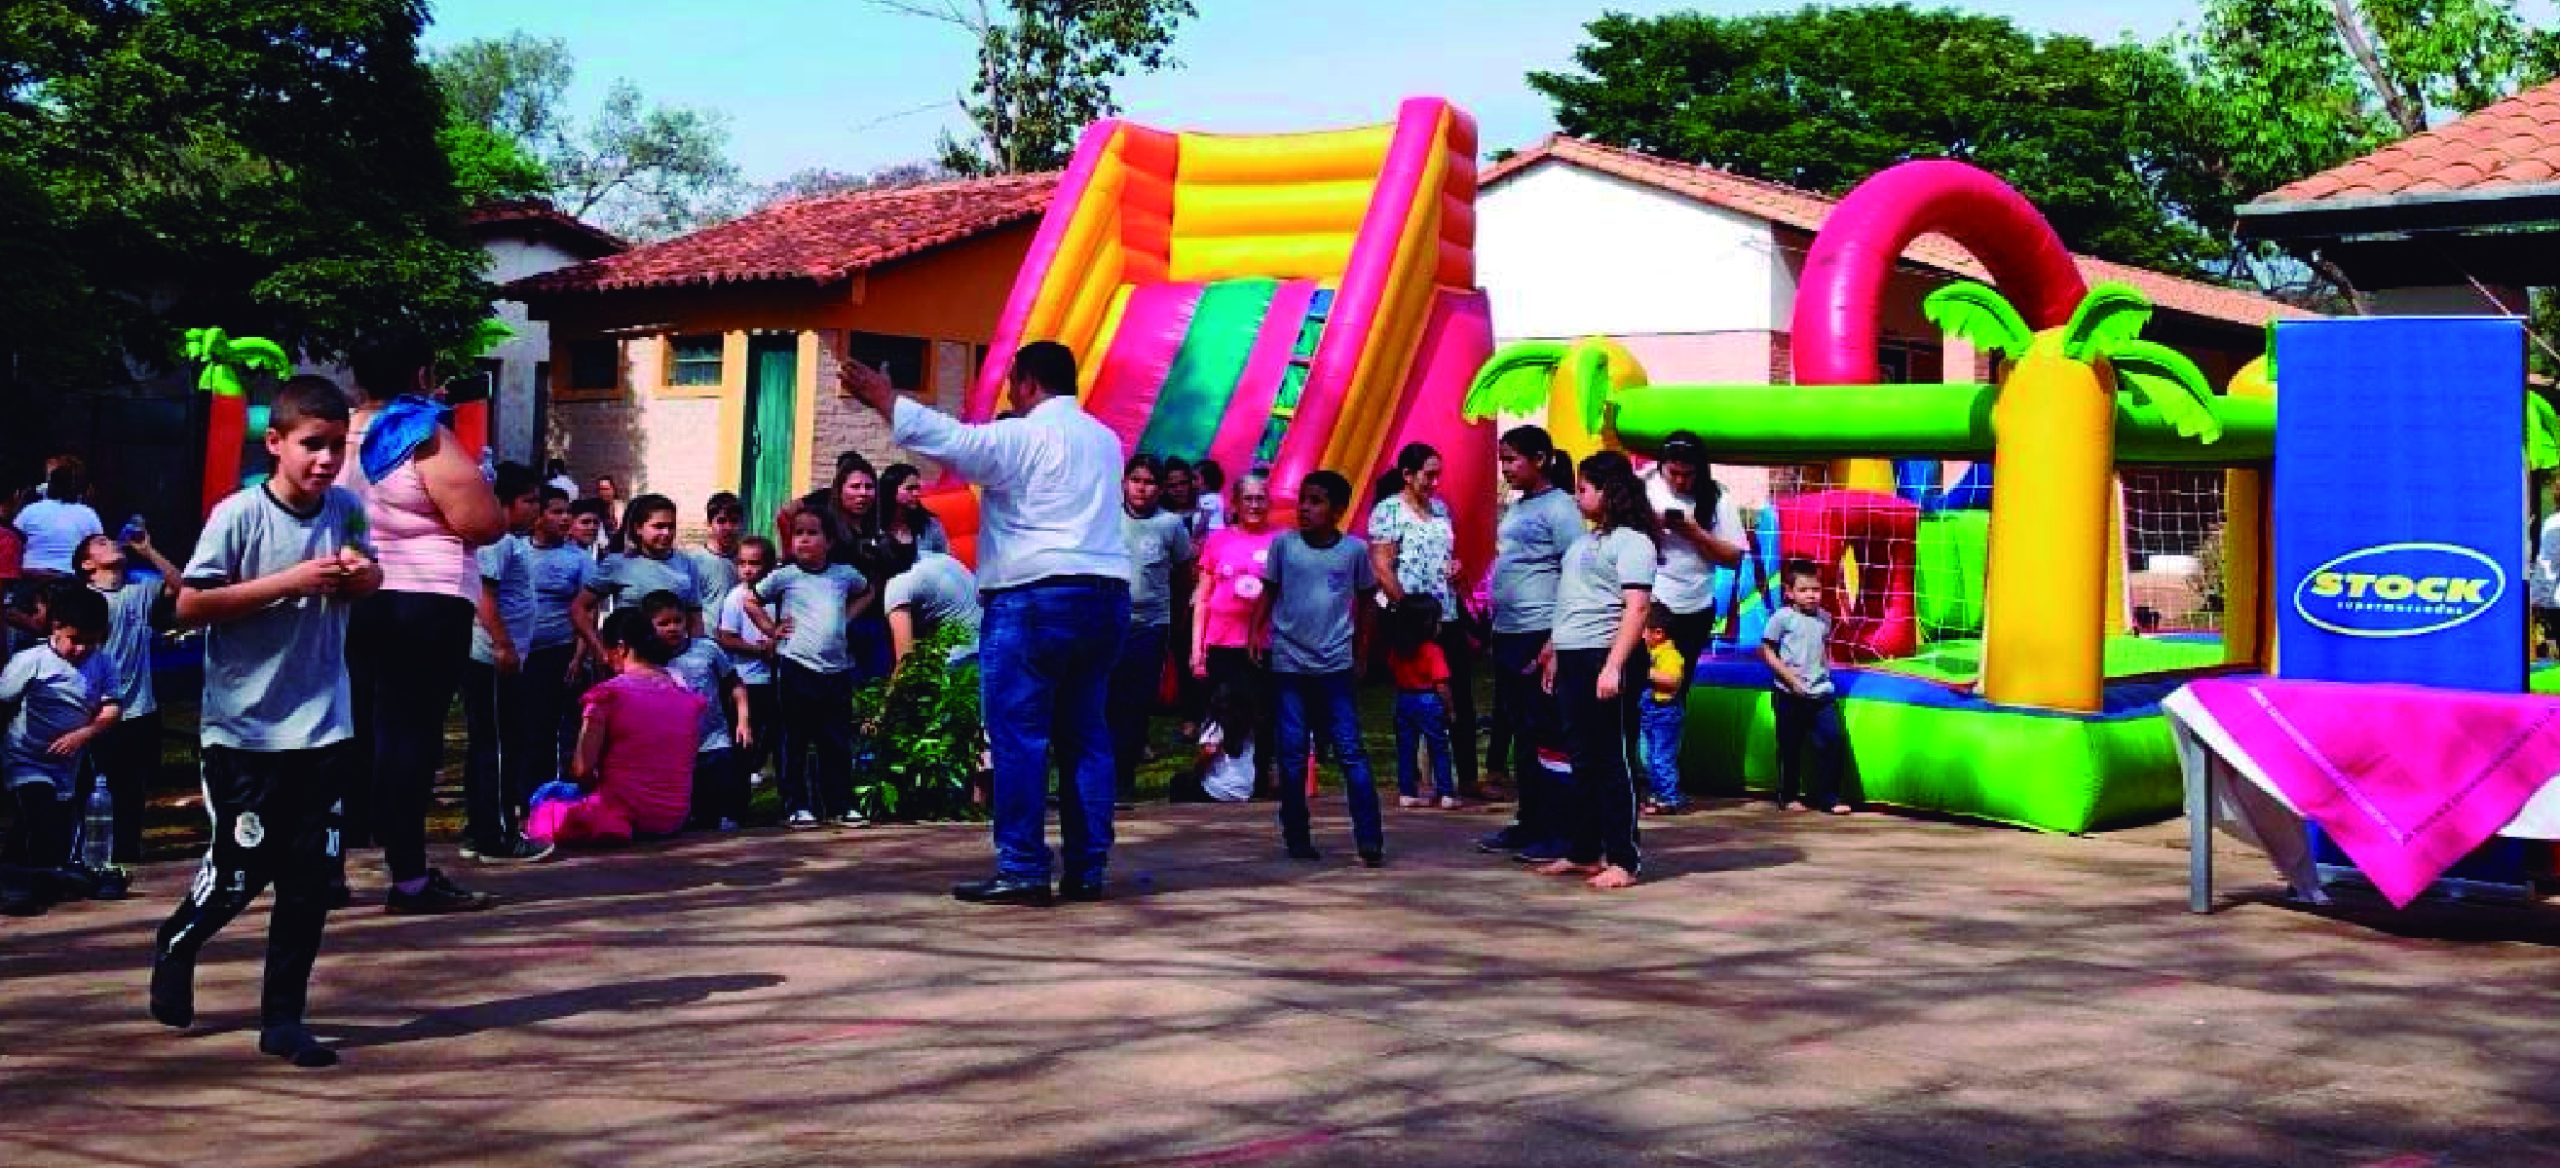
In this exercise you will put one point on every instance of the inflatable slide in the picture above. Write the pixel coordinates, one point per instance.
(1298, 301)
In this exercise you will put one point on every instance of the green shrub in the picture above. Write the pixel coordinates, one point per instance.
(923, 742)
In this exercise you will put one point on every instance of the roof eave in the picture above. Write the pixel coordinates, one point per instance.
(2508, 204)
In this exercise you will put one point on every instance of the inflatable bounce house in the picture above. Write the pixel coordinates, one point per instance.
(1300, 301)
(1994, 665)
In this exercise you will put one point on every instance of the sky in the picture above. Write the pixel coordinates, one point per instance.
(846, 85)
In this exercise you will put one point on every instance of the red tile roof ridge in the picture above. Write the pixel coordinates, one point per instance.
(2471, 153)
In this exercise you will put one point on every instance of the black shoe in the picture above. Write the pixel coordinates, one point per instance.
(1003, 890)
(1304, 852)
(1505, 840)
(516, 850)
(440, 897)
(1374, 859)
(111, 884)
(173, 991)
(1546, 852)
(1080, 889)
(295, 1045)
(17, 900)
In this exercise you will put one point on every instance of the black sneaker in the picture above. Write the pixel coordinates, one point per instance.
(18, 900)
(1374, 859)
(1081, 889)
(295, 1045)
(112, 884)
(517, 850)
(1000, 890)
(440, 897)
(1304, 852)
(1505, 840)
(173, 991)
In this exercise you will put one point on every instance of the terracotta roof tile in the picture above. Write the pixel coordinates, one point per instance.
(1806, 211)
(2514, 141)
(822, 238)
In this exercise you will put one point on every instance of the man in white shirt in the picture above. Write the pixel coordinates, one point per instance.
(1053, 571)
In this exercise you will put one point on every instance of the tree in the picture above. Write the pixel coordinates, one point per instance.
(1822, 97)
(1045, 69)
(268, 168)
(819, 180)
(640, 169)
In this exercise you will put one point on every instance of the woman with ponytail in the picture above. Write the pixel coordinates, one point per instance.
(1604, 593)
(1529, 548)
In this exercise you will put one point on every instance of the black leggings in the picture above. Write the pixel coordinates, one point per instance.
(274, 821)
(1530, 714)
(1691, 632)
(40, 841)
(1234, 668)
(1602, 810)
(817, 717)
(405, 653)
(128, 754)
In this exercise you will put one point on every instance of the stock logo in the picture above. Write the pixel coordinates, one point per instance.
(2399, 590)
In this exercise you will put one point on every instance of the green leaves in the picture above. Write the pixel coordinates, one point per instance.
(2171, 384)
(1515, 380)
(922, 742)
(2110, 315)
(1984, 318)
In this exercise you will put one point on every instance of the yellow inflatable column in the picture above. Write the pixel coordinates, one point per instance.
(2248, 606)
(2044, 591)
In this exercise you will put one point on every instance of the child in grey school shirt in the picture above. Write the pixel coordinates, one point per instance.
(1318, 578)
(1795, 645)
(64, 690)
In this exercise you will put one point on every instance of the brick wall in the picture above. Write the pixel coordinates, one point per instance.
(840, 423)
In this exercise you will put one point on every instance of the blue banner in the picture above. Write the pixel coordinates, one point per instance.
(2400, 507)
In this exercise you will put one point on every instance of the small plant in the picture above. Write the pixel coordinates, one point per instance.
(923, 740)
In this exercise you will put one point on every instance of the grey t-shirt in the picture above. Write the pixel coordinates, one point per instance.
(630, 578)
(128, 648)
(704, 668)
(942, 592)
(1528, 553)
(714, 573)
(276, 679)
(1313, 590)
(559, 574)
(814, 603)
(1159, 544)
(1591, 586)
(1800, 639)
(54, 698)
(508, 565)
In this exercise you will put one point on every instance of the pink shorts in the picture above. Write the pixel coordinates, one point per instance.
(593, 819)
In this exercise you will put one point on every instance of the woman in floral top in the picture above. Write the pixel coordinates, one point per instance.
(1414, 547)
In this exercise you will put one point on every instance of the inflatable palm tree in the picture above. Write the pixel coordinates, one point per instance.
(229, 362)
(2053, 423)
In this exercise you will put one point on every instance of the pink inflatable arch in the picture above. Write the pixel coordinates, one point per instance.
(1839, 296)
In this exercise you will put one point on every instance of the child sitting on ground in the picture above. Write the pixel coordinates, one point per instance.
(1226, 768)
(1796, 646)
(636, 747)
(1421, 673)
(719, 787)
(1659, 715)
(64, 691)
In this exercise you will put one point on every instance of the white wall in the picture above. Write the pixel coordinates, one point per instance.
(511, 417)
(1565, 251)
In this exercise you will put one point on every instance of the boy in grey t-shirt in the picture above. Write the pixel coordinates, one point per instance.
(1795, 644)
(272, 579)
(64, 690)
(938, 592)
(1316, 580)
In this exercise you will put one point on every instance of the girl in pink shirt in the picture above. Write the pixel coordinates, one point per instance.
(635, 747)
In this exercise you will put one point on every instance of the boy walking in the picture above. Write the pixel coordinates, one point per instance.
(1795, 646)
(64, 690)
(272, 581)
(1316, 580)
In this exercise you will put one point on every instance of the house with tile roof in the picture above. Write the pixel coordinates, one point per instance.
(708, 362)
(1694, 269)
(2459, 219)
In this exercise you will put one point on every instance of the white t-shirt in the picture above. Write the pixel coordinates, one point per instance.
(1685, 583)
(2543, 580)
(733, 620)
(54, 530)
(1229, 778)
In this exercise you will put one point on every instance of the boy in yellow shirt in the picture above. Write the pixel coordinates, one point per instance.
(1659, 711)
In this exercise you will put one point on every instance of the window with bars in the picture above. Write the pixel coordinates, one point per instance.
(693, 359)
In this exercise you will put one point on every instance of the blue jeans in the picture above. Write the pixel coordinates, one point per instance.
(1137, 671)
(1419, 714)
(1662, 747)
(1327, 697)
(1044, 657)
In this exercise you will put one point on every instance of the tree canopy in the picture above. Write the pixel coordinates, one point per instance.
(1045, 69)
(640, 169)
(273, 169)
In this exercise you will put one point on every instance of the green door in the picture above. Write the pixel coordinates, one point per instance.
(773, 377)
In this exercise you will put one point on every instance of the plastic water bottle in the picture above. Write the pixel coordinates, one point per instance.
(98, 829)
(133, 529)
